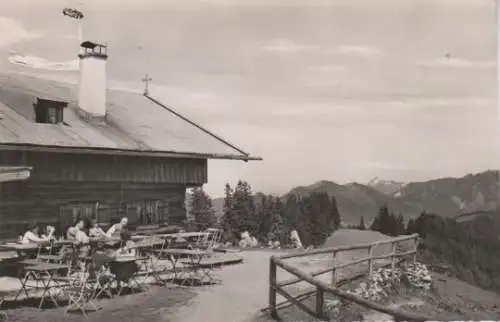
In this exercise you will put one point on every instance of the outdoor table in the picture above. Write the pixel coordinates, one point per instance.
(44, 273)
(23, 249)
(125, 269)
(106, 241)
(194, 258)
(145, 250)
(146, 244)
(59, 244)
(32, 248)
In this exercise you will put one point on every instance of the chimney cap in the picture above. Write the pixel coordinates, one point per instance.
(91, 45)
(92, 49)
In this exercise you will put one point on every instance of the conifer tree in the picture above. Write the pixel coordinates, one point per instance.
(201, 210)
(361, 225)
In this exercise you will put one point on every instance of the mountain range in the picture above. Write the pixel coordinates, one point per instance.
(448, 197)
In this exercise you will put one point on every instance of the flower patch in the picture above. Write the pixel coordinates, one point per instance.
(383, 282)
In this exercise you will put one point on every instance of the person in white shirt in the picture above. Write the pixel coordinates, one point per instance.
(95, 231)
(31, 236)
(115, 230)
(49, 232)
(77, 234)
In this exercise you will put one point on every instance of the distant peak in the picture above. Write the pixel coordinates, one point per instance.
(322, 183)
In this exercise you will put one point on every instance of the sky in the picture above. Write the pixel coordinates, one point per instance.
(341, 90)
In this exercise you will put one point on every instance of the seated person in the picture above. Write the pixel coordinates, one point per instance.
(95, 231)
(127, 245)
(115, 230)
(77, 234)
(49, 232)
(31, 236)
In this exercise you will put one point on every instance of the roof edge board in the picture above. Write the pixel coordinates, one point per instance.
(171, 110)
(109, 151)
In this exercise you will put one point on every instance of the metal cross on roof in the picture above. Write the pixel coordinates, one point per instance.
(146, 80)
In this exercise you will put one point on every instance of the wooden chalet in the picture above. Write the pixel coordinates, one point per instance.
(69, 151)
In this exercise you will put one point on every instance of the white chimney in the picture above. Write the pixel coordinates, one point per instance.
(93, 85)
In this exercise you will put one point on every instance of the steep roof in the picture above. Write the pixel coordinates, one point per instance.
(135, 124)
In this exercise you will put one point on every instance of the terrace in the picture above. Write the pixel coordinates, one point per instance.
(53, 279)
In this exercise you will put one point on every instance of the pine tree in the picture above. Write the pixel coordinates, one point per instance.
(318, 208)
(265, 216)
(375, 224)
(335, 213)
(201, 210)
(400, 225)
(361, 225)
(410, 227)
(229, 221)
(244, 208)
(385, 220)
(278, 219)
(292, 217)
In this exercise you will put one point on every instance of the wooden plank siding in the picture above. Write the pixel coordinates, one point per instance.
(65, 186)
(106, 168)
(22, 203)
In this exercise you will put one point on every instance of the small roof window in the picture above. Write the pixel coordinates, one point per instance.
(49, 111)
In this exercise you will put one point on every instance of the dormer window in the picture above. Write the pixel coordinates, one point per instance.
(49, 111)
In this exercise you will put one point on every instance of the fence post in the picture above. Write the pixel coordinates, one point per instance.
(334, 270)
(394, 254)
(320, 303)
(370, 261)
(417, 239)
(272, 288)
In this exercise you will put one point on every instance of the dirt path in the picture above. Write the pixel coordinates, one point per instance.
(242, 292)
(244, 289)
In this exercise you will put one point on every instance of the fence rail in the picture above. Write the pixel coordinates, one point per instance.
(321, 287)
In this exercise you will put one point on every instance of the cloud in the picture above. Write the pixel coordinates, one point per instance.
(12, 31)
(284, 46)
(460, 63)
(360, 51)
(42, 63)
(326, 68)
(386, 166)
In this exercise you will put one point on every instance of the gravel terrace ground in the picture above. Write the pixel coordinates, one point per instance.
(239, 297)
(155, 305)
(243, 291)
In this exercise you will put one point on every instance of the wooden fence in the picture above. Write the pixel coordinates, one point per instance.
(320, 287)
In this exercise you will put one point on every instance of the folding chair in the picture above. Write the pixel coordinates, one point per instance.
(100, 276)
(147, 265)
(125, 273)
(3, 315)
(61, 256)
(80, 293)
(213, 237)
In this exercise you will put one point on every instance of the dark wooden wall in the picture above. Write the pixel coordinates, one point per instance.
(64, 186)
(107, 168)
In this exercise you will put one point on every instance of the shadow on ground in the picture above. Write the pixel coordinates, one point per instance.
(157, 304)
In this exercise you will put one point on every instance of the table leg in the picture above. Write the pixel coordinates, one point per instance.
(24, 281)
(46, 283)
(174, 260)
(145, 265)
(154, 272)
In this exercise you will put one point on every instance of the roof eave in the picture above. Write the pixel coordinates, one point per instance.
(109, 151)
